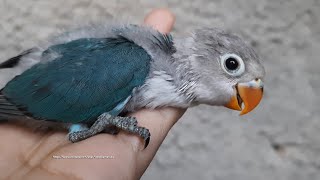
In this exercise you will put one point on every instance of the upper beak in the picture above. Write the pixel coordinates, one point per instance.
(249, 93)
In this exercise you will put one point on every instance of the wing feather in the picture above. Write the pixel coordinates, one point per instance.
(88, 77)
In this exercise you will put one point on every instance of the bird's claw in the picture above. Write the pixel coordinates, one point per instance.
(144, 133)
(75, 136)
(129, 124)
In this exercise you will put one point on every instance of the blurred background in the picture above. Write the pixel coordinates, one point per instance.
(278, 140)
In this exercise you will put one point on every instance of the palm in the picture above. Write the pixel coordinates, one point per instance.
(26, 151)
(27, 154)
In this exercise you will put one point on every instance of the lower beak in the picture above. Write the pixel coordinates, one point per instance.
(249, 93)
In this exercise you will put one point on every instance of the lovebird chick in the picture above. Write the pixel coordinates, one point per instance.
(88, 78)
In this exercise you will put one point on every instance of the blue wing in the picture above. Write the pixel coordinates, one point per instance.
(83, 79)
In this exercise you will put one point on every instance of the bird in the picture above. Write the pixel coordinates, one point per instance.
(88, 78)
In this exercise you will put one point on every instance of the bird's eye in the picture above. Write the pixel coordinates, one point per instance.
(232, 64)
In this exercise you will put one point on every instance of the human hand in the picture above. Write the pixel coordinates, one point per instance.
(29, 155)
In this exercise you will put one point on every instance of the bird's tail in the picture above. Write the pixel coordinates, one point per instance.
(8, 110)
(14, 61)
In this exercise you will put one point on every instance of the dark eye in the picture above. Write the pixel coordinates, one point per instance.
(232, 64)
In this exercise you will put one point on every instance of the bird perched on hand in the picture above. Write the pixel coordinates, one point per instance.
(87, 78)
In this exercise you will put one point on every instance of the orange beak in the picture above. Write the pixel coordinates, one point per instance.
(248, 93)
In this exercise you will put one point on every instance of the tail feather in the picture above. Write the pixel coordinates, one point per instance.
(3, 100)
(8, 110)
(5, 104)
(12, 62)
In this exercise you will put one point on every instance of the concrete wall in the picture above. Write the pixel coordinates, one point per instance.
(279, 140)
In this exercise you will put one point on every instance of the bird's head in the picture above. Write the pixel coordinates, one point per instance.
(228, 70)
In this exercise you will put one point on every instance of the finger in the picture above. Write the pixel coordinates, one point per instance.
(159, 122)
(160, 19)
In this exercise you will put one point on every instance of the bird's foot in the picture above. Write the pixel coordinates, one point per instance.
(77, 127)
(129, 124)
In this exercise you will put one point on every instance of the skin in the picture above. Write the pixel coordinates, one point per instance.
(25, 154)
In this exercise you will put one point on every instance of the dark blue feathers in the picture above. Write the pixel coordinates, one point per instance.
(85, 78)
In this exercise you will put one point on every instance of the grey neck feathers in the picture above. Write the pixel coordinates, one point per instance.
(171, 82)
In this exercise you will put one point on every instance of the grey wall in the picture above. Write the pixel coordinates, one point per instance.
(279, 140)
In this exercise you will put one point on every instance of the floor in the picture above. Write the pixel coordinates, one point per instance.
(279, 140)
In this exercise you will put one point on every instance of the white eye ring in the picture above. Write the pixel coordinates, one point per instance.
(232, 64)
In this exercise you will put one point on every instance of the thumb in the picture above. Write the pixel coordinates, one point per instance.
(161, 20)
